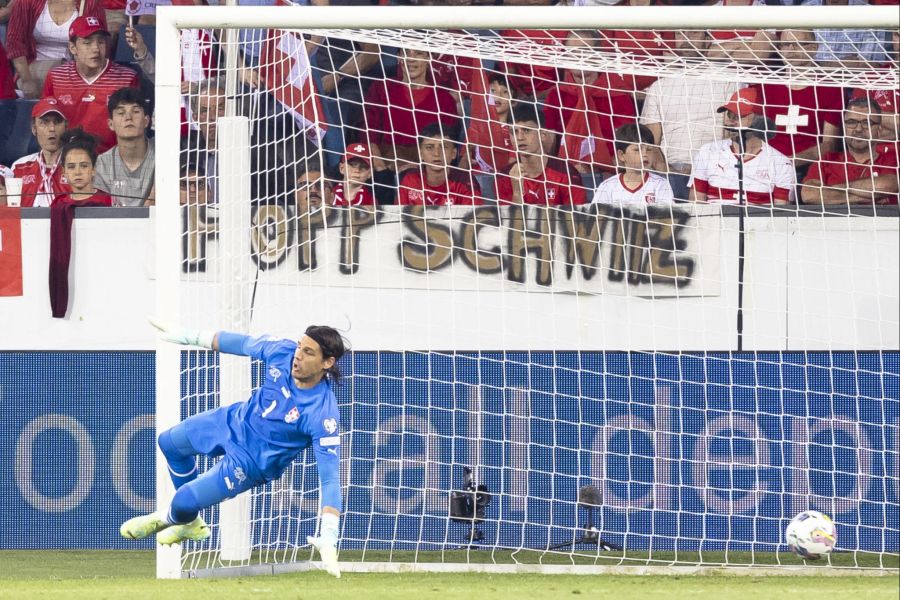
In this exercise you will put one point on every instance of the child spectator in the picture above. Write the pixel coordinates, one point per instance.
(536, 177)
(126, 170)
(768, 175)
(84, 85)
(865, 173)
(489, 131)
(635, 183)
(436, 182)
(356, 187)
(78, 158)
(42, 172)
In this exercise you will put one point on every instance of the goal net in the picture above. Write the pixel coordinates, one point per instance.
(585, 335)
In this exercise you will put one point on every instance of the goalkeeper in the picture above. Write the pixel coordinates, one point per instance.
(292, 410)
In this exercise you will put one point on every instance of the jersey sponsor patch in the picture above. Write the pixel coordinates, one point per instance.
(274, 373)
(334, 440)
(330, 425)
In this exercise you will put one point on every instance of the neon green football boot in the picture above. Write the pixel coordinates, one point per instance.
(195, 530)
(142, 526)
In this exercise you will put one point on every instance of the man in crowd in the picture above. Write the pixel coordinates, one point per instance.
(768, 175)
(309, 189)
(865, 173)
(536, 177)
(41, 172)
(126, 170)
(84, 85)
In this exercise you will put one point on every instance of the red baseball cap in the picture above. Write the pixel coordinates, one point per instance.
(358, 151)
(743, 102)
(887, 100)
(84, 27)
(46, 106)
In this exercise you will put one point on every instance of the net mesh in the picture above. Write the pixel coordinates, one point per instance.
(534, 303)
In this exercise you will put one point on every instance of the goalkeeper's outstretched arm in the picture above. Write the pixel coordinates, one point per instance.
(220, 341)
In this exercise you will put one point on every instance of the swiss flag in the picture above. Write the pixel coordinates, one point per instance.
(580, 138)
(285, 71)
(10, 252)
(485, 130)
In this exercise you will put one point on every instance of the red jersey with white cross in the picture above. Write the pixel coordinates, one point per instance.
(800, 115)
(768, 175)
(836, 168)
(41, 183)
(554, 187)
(363, 197)
(84, 102)
(415, 190)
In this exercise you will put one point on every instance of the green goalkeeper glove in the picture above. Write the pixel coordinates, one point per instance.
(185, 337)
(326, 543)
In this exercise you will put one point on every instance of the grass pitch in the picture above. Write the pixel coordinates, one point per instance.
(98, 575)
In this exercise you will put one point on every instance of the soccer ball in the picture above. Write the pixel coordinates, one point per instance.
(811, 535)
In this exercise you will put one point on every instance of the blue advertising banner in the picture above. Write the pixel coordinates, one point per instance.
(689, 451)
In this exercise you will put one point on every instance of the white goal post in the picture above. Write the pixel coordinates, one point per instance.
(549, 389)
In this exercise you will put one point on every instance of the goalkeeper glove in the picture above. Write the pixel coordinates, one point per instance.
(326, 543)
(185, 337)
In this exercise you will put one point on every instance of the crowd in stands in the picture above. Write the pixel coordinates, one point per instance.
(408, 127)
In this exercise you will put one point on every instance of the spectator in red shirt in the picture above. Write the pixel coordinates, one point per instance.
(41, 173)
(36, 40)
(584, 107)
(807, 118)
(84, 85)
(865, 173)
(397, 110)
(536, 177)
(356, 188)
(489, 138)
(437, 182)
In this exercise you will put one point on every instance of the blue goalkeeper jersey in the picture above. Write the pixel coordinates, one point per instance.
(280, 419)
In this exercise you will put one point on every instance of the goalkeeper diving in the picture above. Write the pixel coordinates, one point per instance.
(292, 410)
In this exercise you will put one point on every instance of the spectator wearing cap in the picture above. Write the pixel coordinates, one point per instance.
(38, 37)
(681, 112)
(84, 85)
(768, 175)
(356, 169)
(865, 172)
(126, 170)
(41, 173)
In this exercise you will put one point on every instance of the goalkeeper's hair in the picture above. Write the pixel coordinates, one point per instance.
(332, 344)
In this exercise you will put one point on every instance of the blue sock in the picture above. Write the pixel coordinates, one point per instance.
(180, 456)
(191, 498)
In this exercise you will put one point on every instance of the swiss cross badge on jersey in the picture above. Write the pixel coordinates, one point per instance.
(292, 415)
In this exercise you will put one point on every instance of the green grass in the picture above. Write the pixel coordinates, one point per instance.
(128, 575)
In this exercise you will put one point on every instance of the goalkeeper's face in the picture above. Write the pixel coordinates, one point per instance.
(309, 365)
